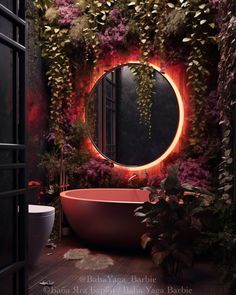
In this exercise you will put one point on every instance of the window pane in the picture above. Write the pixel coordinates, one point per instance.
(109, 89)
(109, 126)
(6, 27)
(8, 4)
(6, 94)
(7, 180)
(7, 156)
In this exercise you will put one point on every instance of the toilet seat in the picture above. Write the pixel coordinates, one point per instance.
(41, 210)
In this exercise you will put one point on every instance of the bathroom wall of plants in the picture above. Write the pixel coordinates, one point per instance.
(79, 35)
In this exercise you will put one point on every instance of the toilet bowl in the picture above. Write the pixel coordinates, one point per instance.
(41, 220)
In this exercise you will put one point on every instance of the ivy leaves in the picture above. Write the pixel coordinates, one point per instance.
(59, 77)
(226, 82)
(53, 42)
(98, 12)
(151, 24)
(199, 36)
(144, 76)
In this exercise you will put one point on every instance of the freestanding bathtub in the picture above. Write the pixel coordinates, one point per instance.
(105, 216)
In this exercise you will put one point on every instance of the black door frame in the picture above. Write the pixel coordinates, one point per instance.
(18, 269)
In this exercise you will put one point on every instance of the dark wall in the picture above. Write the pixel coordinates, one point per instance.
(134, 147)
(37, 106)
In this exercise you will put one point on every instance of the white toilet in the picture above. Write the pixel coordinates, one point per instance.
(41, 220)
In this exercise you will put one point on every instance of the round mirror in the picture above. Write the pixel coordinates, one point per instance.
(113, 117)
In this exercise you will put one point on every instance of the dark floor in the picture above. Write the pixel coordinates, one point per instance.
(131, 274)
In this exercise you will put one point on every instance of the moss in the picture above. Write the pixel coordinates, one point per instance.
(51, 14)
(77, 29)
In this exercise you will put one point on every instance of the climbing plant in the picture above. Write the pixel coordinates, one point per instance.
(54, 41)
(94, 29)
(81, 34)
(226, 92)
(200, 33)
(144, 76)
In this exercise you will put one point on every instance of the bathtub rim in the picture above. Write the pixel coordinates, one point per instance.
(63, 195)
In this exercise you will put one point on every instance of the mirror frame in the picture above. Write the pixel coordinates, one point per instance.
(176, 138)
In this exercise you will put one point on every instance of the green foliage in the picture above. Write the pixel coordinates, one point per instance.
(77, 30)
(59, 77)
(226, 84)
(54, 42)
(200, 34)
(185, 28)
(172, 217)
(176, 22)
(152, 25)
(50, 162)
(144, 76)
(222, 233)
(193, 21)
(182, 221)
(70, 156)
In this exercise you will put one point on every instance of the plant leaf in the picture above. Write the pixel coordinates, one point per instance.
(186, 39)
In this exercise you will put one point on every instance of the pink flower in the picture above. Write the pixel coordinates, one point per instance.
(68, 13)
(34, 183)
(194, 172)
(115, 33)
(64, 2)
(113, 37)
(115, 17)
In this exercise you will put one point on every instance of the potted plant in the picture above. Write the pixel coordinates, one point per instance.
(175, 227)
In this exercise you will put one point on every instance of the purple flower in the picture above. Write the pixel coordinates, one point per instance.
(115, 17)
(64, 2)
(50, 136)
(194, 172)
(97, 173)
(115, 32)
(68, 13)
(113, 37)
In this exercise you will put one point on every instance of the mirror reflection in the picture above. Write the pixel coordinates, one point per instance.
(113, 118)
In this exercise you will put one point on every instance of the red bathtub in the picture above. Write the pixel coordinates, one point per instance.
(105, 216)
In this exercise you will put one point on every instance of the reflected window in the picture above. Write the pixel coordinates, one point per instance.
(106, 93)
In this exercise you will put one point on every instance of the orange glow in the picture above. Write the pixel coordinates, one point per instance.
(176, 75)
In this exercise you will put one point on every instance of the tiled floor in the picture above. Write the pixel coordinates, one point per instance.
(131, 274)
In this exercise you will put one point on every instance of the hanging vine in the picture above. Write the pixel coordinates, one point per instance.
(101, 27)
(53, 42)
(60, 80)
(201, 34)
(98, 13)
(151, 16)
(144, 76)
(226, 92)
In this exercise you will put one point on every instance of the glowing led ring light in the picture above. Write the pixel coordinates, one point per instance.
(176, 137)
